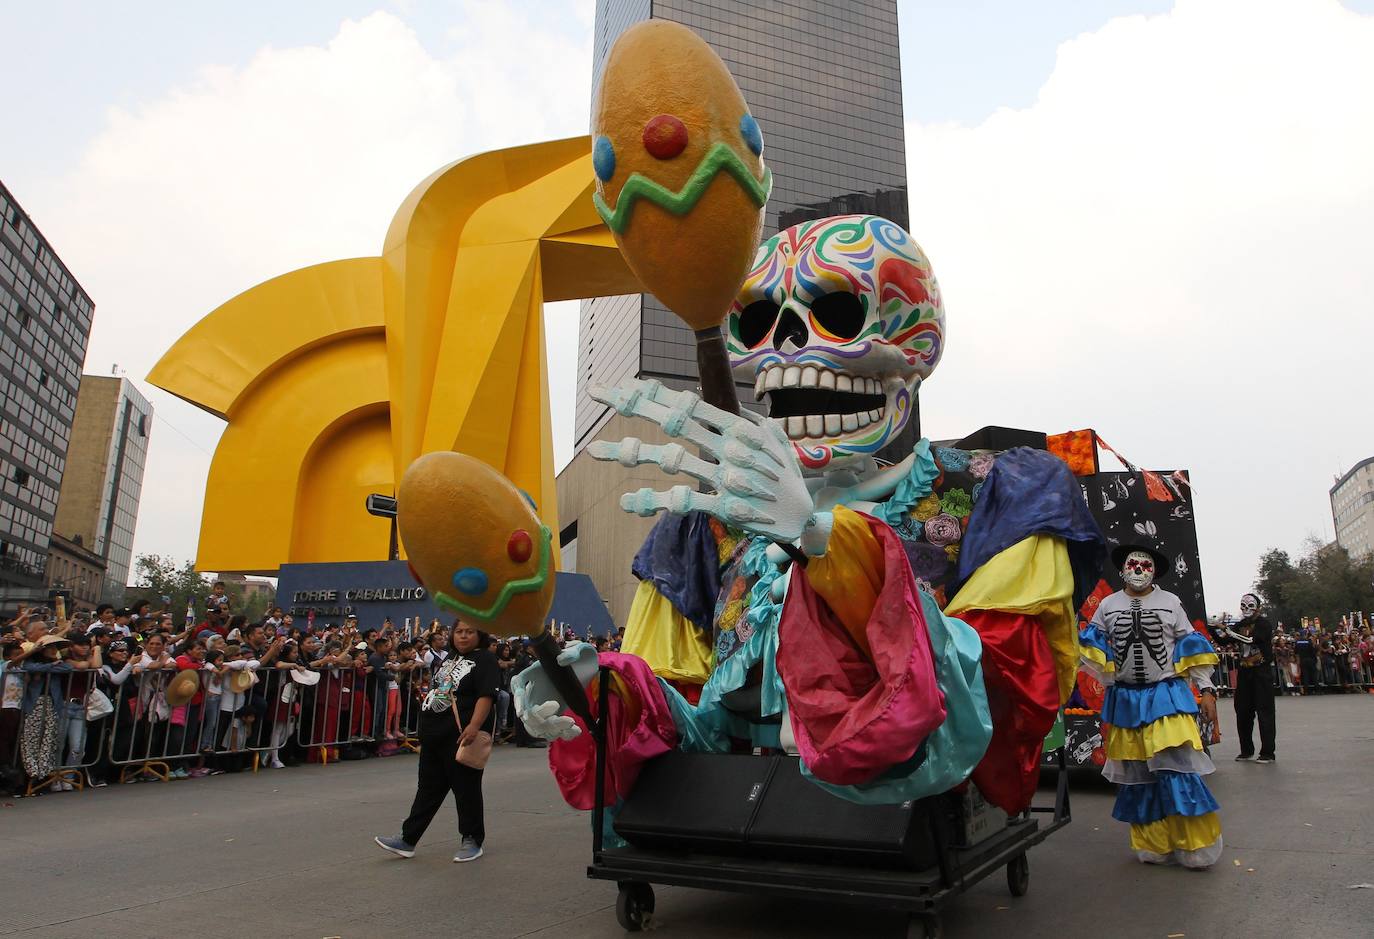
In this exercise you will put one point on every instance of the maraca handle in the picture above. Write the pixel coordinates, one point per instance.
(713, 367)
(546, 649)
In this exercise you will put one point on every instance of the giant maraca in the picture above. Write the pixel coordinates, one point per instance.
(681, 181)
(476, 544)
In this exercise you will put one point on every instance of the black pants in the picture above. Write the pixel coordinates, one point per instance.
(1255, 698)
(441, 774)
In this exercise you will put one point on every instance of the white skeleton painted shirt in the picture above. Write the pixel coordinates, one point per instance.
(1141, 632)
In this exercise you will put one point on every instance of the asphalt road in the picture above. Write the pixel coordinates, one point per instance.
(290, 853)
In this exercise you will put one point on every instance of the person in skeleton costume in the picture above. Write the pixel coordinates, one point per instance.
(1142, 647)
(931, 635)
(1254, 680)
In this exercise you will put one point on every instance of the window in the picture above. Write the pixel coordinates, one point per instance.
(21, 476)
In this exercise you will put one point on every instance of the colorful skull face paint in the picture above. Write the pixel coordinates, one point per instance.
(1249, 605)
(1138, 571)
(837, 324)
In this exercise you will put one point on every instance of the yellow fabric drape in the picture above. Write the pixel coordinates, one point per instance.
(1032, 577)
(663, 637)
(1141, 743)
(849, 576)
(1176, 833)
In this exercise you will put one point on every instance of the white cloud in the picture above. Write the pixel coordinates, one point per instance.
(298, 156)
(1171, 246)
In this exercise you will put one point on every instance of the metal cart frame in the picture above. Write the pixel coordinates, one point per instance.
(921, 894)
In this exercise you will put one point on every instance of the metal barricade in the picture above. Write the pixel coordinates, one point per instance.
(46, 738)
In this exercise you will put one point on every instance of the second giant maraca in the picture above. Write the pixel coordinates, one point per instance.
(681, 181)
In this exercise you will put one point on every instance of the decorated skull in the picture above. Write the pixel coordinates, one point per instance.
(836, 326)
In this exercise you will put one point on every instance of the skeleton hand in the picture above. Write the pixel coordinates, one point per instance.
(757, 481)
(536, 703)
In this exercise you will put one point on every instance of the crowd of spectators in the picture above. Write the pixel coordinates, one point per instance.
(98, 699)
(1312, 659)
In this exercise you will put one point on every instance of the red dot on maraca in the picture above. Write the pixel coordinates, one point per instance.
(665, 136)
(520, 546)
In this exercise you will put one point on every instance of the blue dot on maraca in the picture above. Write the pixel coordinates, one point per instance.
(753, 137)
(603, 158)
(471, 581)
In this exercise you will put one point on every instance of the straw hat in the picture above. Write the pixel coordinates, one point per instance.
(182, 688)
(242, 680)
(51, 639)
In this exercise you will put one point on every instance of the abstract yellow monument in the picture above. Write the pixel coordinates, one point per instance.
(333, 378)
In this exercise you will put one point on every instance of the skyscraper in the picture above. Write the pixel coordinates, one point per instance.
(98, 506)
(823, 79)
(45, 321)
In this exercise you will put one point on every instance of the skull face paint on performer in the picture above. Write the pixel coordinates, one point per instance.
(1138, 571)
(1249, 606)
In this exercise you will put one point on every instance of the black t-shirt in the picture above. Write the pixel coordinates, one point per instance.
(377, 678)
(462, 679)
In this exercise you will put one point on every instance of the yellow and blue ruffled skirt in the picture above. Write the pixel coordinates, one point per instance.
(1155, 755)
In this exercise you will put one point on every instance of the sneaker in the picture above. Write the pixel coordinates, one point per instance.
(178, 773)
(216, 772)
(98, 784)
(64, 786)
(1265, 759)
(396, 846)
(1244, 757)
(276, 764)
(200, 773)
(469, 850)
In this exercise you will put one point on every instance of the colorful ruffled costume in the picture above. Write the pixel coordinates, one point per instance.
(851, 660)
(1145, 651)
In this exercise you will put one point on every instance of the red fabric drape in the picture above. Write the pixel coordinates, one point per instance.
(1023, 696)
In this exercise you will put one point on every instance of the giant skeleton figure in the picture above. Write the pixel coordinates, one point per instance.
(929, 637)
(1141, 645)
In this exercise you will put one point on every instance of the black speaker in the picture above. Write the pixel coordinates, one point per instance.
(761, 806)
(800, 821)
(695, 801)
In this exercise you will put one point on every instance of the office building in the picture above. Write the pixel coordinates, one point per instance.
(1352, 509)
(98, 506)
(823, 79)
(77, 571)
(45, 321)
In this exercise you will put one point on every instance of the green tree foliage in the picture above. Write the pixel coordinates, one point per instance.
(1323, 582)
(160, 577)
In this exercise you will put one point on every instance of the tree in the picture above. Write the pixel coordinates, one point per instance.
(1324, 582)
(160, 577)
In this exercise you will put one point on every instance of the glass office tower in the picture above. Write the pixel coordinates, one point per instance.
(823, 78)
(45, 321)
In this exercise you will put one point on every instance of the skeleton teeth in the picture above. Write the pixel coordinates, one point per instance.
(808, 377)
(844, 383)
(791, 376)
(832, 424)
(827, 380)
(849, 422)
(796, 427)
(772, 379)
(864, 420)
(758, 386)
(815, 425)
(873, 416)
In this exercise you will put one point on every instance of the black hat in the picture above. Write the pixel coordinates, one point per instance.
(96, 632)
(1163, 566)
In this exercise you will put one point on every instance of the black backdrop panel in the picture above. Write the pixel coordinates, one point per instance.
(1128, 516)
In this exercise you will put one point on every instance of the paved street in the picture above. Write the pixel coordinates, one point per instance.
(289, 853)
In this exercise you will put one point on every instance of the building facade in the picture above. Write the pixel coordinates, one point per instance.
(45, 322)
(1352, 509)
(823, 79)
(76, 569)
(98, 506)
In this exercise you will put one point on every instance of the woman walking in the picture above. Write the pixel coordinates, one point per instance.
(456, 726)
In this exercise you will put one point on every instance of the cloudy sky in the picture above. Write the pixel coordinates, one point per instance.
(1149, 218)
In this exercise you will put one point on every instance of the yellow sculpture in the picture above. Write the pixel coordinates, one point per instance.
(333, 378)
